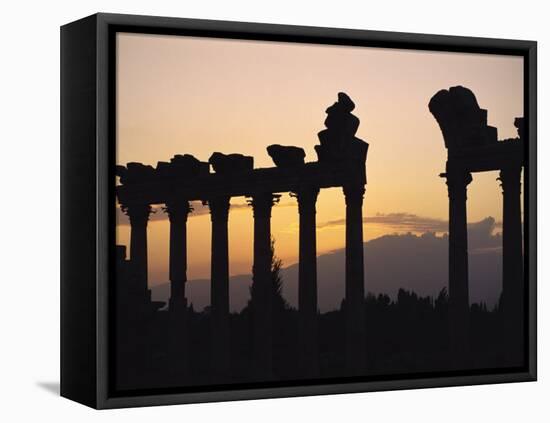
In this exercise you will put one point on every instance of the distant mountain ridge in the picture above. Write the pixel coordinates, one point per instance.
(414, 262)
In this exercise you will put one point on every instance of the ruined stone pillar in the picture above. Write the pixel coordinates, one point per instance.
(219, 288)
(177, 213)
(178, 342)
(459, 302)
(355, 343)
(262, 290)
(139, 216)
(512, 262)
(307, 282)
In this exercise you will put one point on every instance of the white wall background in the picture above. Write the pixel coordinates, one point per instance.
(29, 187)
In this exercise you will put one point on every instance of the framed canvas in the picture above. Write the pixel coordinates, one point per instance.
(255, 211)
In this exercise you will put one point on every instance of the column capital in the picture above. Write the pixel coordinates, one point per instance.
(510, 178)
(177, 208)
(457, 181)
(353, 194)
(307, 197)
(262, 203)
(137, 213)
(219, 207)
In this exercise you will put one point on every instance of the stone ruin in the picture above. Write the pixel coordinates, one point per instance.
(135, 173)
(286, 156)
(231, 163)
(338, 141)
(175, 184)
(472, 147)
(462, 122)
(182, 166)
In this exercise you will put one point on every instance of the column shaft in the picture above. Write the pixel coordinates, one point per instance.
(178, 342)
(139, 216)
(219, 288)
(262, 290)
(355, 290)
(459, 305)
(177, 213)
(512, 262)
(307, 282)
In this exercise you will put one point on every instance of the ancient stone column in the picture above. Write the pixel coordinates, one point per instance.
(178, 342)
(139, 216)
(219, 288)
(177, 213)
(512, 262)
(459, 303)
(355, 343)
(262, 290)
(307, 282)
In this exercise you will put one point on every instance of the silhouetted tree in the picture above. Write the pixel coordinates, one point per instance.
(442, 301)
(279, 302)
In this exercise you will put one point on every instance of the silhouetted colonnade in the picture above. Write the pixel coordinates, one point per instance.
(341, 163)
(473, 146)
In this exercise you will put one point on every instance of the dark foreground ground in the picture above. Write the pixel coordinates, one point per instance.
(404, 337)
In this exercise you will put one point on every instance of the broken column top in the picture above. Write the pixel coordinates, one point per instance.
(286, 156)
(338, 141)
(519, 124)
(231, 163)
(135, 173)
(462, 122)
(182, 166)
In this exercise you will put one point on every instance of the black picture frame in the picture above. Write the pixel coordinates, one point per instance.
(87, 195)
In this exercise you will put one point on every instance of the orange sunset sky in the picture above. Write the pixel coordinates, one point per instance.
(179, 95)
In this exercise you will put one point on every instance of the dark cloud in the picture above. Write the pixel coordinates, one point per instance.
(482, 237)
(408, 222)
